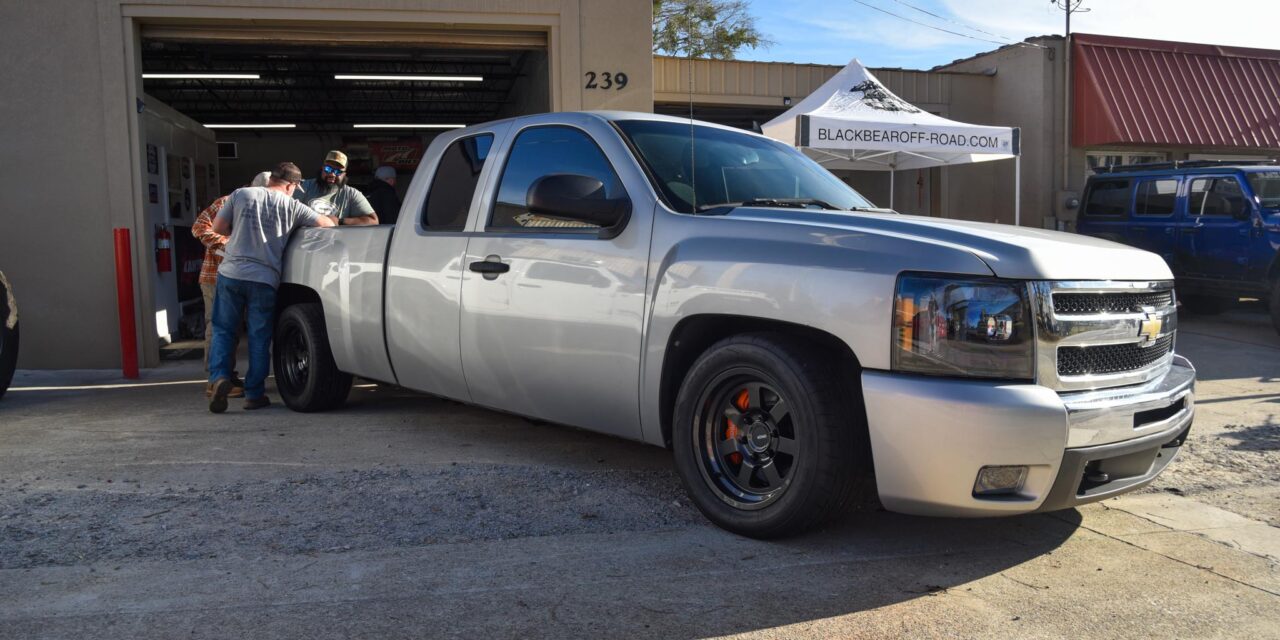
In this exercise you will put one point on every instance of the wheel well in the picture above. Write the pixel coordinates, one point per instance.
(694, 335)
(290, 294)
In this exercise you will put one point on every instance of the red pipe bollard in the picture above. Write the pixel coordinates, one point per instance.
(124, 304)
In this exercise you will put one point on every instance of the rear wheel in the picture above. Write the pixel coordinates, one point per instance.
(769, 437)
(306, 375)
(8, 336)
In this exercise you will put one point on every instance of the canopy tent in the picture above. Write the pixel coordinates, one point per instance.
(853, 122)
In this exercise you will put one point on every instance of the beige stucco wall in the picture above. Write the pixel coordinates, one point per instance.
(74, 147)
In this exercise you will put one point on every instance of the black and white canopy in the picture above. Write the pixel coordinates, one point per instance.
(853, 122)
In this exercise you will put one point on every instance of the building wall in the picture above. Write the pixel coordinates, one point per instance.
(75, 144)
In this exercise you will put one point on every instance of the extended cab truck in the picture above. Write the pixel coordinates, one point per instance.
(1216, 223)
(715, 292)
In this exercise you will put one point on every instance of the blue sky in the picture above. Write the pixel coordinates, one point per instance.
(835, 31)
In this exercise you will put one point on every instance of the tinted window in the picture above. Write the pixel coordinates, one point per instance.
(544, 151)
(704, 167)
(1156, 198)
(1266, 186)
(455, 183)
(1108, 198)
(1216, 197)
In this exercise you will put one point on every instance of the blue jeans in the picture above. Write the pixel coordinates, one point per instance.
(256, 303)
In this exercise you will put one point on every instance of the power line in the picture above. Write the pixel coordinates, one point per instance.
(954, 33)
(957, 23)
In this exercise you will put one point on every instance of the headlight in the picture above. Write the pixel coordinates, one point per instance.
(956, 326)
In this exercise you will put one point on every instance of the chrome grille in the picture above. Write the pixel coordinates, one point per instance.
(1087, 303)
(1101, 334)
(1111, 358)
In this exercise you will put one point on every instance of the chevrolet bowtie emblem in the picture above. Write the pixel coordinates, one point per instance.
(1150, 327)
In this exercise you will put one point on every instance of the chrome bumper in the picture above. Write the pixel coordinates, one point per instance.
(931, 436)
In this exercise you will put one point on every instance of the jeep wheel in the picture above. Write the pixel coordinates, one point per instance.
(1274, 304)
(306, 376)
(768, 441)
(8, 336)
(1204, 305)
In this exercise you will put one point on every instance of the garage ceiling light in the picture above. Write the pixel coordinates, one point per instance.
(201, 76)
(408, 126)
(250, 126)
(412, 78)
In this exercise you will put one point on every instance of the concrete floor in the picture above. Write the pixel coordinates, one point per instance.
(128, 511)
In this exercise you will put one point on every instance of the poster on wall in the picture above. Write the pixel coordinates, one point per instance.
(405, 153)
(153, 193)
(153, 160)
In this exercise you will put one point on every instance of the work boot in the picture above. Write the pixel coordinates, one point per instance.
(237, 389)
(218, 402)
(257, 403)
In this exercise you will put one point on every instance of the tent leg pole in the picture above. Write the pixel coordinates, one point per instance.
(1017, 190)
(891, 172)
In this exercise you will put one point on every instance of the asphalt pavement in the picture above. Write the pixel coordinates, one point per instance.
(128, 511)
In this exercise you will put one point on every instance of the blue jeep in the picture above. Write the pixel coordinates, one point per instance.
(1217, 224)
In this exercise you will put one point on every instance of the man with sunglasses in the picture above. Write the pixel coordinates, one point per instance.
(329, 194)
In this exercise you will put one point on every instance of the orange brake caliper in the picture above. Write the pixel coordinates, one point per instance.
(731, 431)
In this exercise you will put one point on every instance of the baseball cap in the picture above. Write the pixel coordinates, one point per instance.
(337, 157)
(288, 172)
(384, 172)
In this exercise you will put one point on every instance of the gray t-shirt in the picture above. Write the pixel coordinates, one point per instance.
(261, 221)
(344, 202)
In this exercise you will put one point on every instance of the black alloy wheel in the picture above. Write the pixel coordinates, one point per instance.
(306, 376)
(747, 439)
(770, 435)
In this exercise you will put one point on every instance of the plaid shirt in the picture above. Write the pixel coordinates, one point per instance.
(213, 242)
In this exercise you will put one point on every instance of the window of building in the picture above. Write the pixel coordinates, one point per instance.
(543, 151)
(1096, 159)
(1156, 197)
(454, 184)
(1216, 197)
(1108, 198)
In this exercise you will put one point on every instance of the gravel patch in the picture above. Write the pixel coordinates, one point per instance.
(329, 513)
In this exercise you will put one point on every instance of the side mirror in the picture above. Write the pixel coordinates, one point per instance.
(581, 199)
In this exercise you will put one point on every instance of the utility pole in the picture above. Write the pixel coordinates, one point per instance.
(1068, 7)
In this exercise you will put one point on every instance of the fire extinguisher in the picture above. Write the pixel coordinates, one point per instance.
(164, 255)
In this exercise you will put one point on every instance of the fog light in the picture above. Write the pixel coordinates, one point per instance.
(994, 481)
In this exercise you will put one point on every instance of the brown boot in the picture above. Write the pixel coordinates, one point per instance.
(218, 401)
(237, 390)
(257, 403)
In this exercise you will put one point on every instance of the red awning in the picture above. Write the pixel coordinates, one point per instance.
(1153, 92)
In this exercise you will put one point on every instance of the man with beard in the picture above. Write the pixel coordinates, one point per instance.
(329, 195)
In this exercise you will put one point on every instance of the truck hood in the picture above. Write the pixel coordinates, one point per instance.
(1011, 252)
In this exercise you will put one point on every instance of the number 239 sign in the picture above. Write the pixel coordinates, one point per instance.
(606, 80)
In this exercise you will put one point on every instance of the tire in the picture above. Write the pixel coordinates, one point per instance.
(1204, 305)
(1274, 305)
(306, 376)
(816, 443)
(8, 336)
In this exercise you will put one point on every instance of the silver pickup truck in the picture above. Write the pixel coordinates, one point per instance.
(715, 292)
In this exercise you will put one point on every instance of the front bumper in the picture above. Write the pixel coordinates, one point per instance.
(931, 436)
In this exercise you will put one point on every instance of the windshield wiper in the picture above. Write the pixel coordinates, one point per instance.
(798, 203)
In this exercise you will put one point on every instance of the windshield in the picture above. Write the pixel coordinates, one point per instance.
(709, 167)
(1266, 185)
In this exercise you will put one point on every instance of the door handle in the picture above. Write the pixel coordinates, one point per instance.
(491, 267)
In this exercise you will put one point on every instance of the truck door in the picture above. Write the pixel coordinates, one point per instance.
(425, 267)
(1213, 236)
(1153, 226)
(554, 330)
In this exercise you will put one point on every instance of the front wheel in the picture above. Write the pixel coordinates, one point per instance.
(769, 436)
(8, 335)
(306, 375)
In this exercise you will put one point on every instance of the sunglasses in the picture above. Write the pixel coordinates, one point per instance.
(332, 170)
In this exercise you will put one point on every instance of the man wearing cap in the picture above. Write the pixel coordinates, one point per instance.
(330, 196)
(382, 195)
(258, 221)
